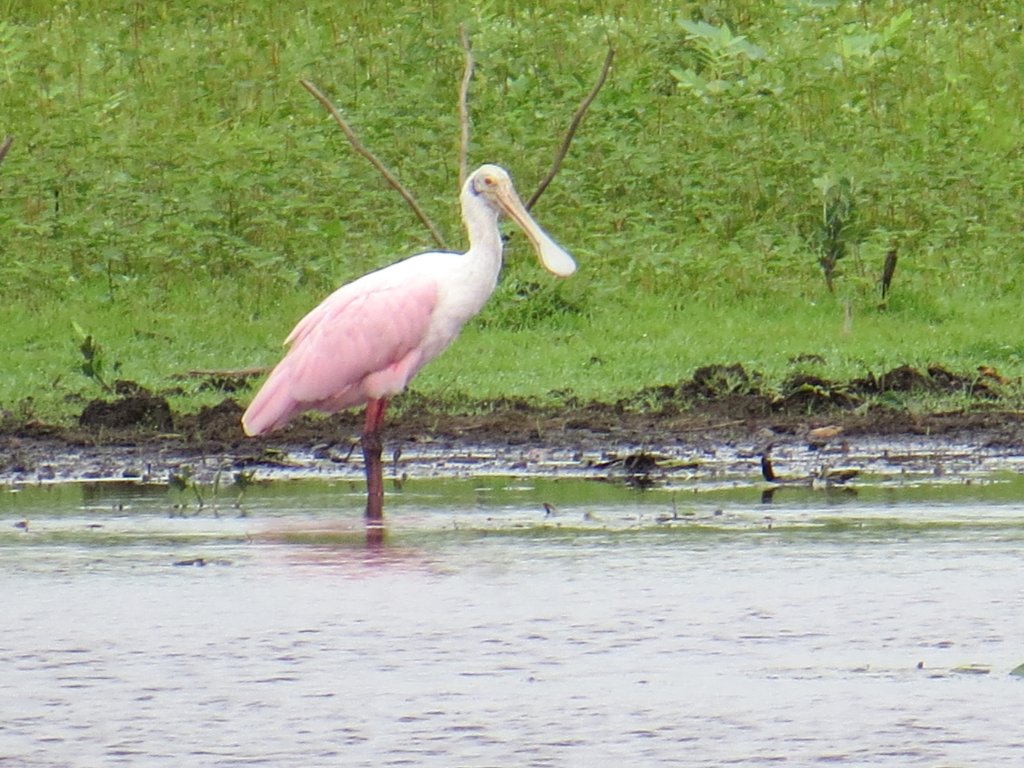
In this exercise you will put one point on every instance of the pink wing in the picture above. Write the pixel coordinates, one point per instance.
(363, 341)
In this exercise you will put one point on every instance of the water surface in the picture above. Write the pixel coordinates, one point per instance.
(674, 627)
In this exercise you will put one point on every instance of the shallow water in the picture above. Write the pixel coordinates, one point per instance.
(674, 627)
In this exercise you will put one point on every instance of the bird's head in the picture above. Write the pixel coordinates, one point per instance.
(493, 184)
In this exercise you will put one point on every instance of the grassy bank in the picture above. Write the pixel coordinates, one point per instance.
(174, 192)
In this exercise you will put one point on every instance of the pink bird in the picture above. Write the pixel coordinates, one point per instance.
(369, 338)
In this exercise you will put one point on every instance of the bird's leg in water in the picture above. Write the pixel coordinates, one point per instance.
(372, 445)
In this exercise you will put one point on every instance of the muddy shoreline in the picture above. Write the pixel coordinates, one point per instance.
(723, 422)
(722, 440)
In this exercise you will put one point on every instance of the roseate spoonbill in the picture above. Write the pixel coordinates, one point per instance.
(369, 338)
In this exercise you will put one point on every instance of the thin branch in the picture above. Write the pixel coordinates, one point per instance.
(5, 147)
(235, 373)
(360, 148)
(577, 118)
(467, 75)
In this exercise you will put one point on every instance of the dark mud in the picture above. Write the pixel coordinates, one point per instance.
(722, 424)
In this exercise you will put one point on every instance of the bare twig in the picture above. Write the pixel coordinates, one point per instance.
(5, 147)
(467, 75)
(360, 148)
(233, 373)
(577, 118)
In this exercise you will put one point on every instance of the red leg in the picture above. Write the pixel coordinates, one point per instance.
(372, 445)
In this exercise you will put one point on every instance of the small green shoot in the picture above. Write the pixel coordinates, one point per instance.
(93, 362)
(833, 233)
(182, 480)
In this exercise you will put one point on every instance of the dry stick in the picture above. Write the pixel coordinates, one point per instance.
(5, 147)
(467, 75)
(358, 146)
(236, 373)
(577, 118)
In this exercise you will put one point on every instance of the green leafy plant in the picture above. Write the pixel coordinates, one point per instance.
(722, 58)
(868, 49)
(834, 231)
(182, 481)
(93, 363)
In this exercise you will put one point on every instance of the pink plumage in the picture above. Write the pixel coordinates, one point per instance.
(369, 338)
(363, 342)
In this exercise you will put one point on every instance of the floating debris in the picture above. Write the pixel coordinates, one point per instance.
(195, 561)
(972, 669)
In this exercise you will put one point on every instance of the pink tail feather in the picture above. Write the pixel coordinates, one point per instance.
(272, 407)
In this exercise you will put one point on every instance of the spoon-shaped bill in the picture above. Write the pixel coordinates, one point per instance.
(552, 256)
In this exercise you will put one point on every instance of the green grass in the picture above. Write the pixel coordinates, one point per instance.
(609, 352)
(174, 191)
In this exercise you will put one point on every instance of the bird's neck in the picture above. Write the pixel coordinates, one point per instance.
(485, 242)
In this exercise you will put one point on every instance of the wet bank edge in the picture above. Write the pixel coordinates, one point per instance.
(722, 424)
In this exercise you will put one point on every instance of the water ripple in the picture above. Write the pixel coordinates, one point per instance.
(836, 637)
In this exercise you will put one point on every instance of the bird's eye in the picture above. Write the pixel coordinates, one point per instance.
(485, 182)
